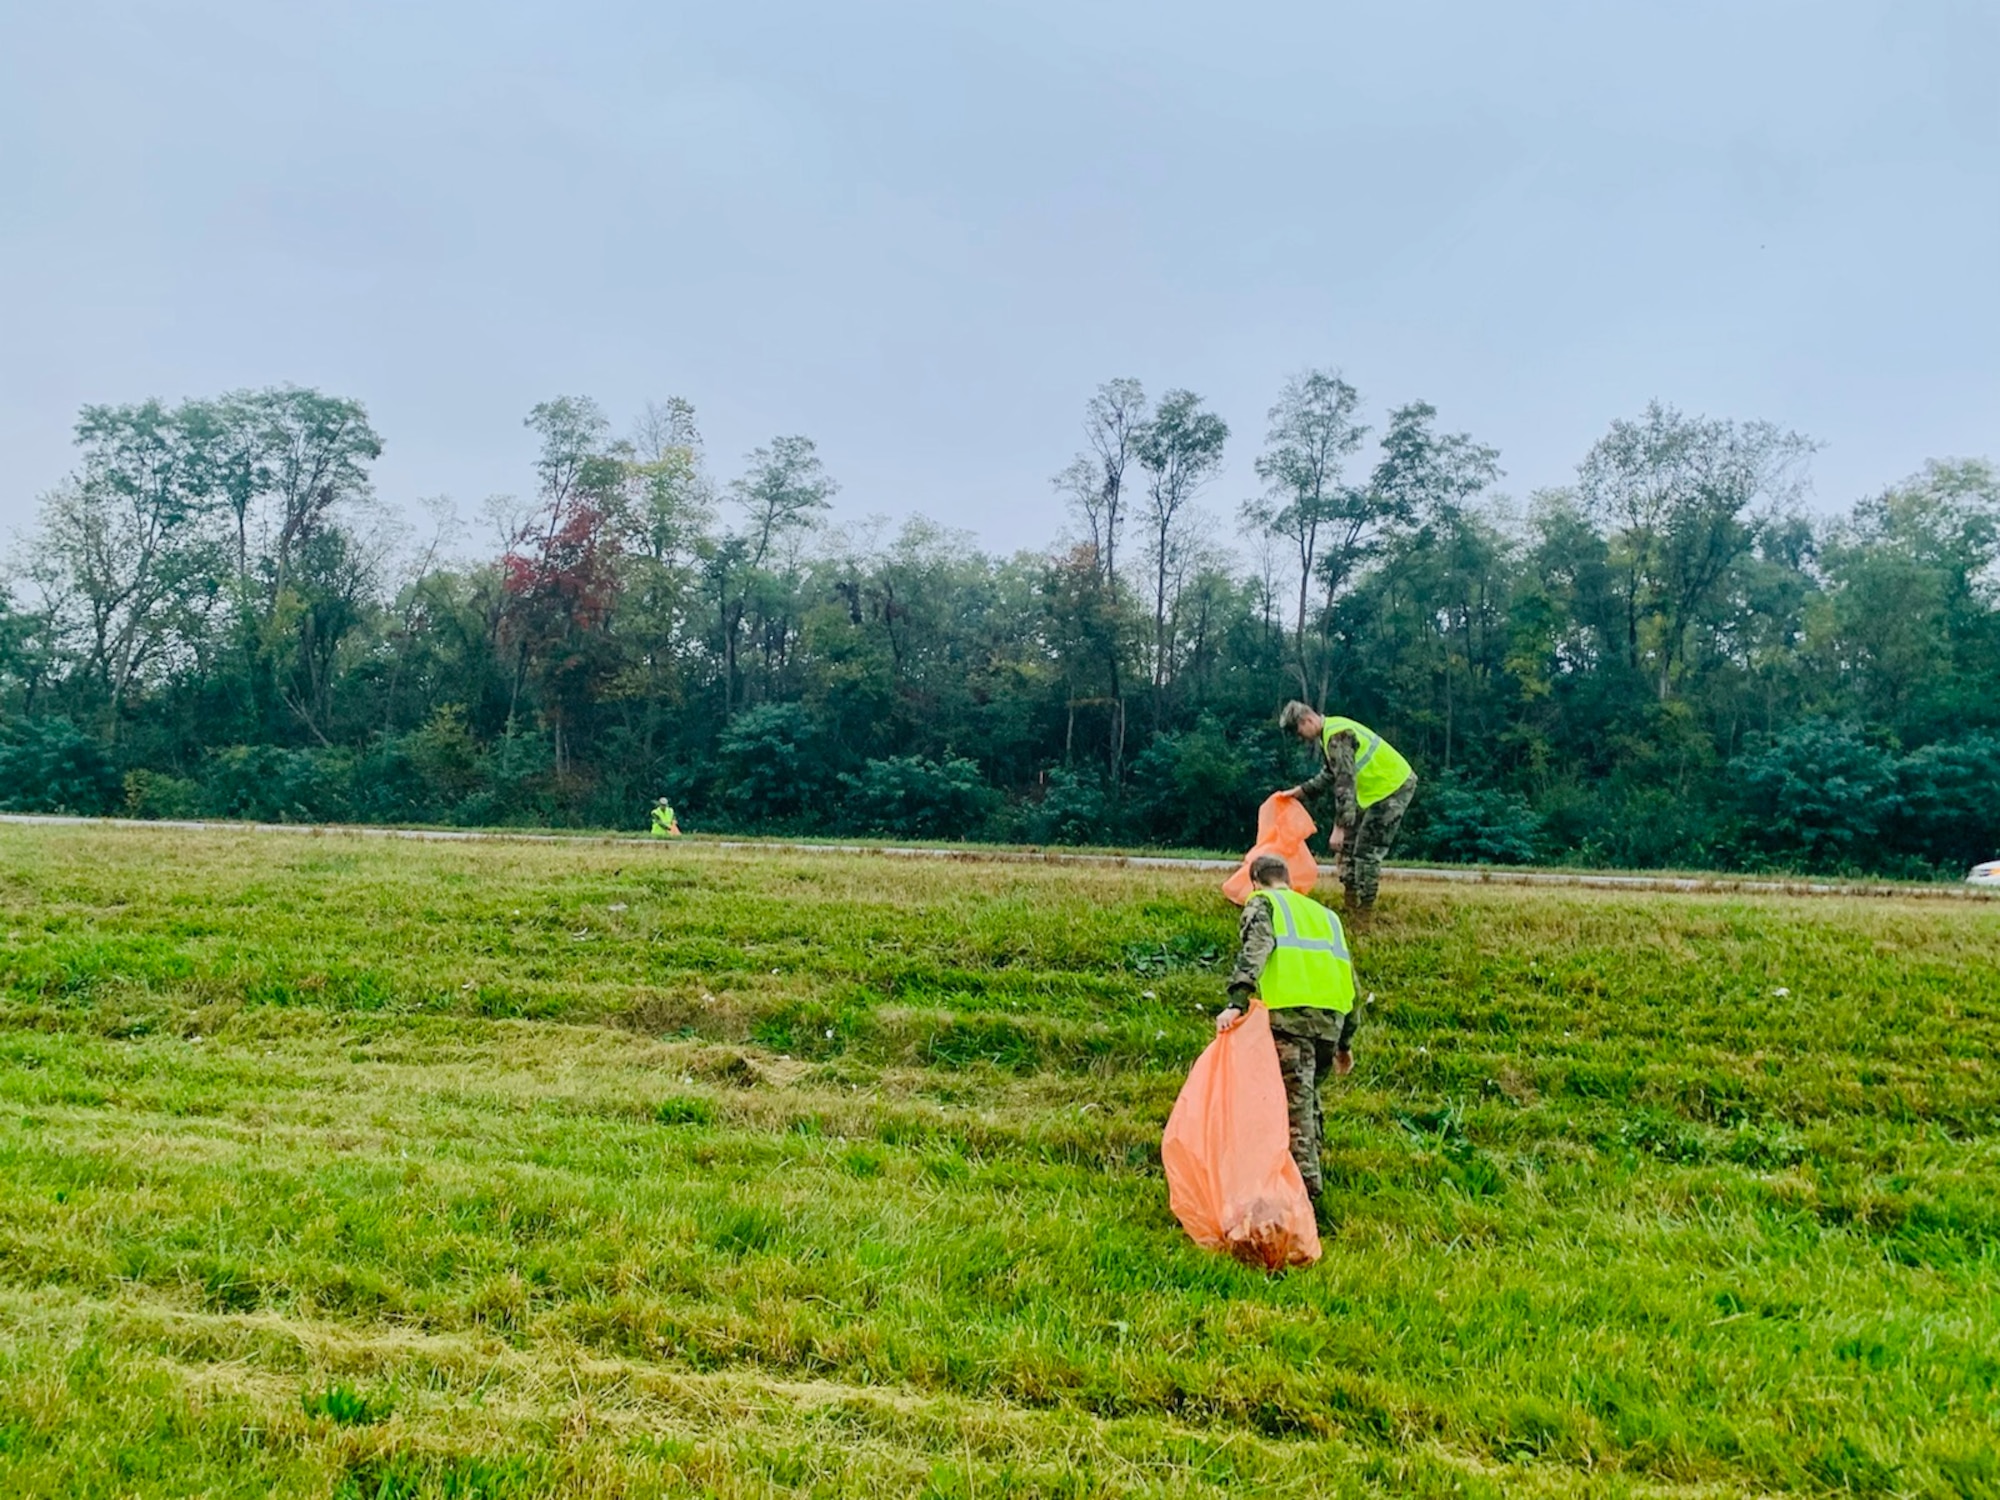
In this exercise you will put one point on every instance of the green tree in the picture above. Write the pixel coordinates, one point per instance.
(1180, 449)
(1444, 582)
(1312, 435)
(782, 493)
(1910, 635)
(1115, 419)
(1683, 499)
(663, 516)
(561, 574)
(126, 556)
(314, 450)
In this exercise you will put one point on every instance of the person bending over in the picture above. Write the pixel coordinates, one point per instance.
(1372, 787)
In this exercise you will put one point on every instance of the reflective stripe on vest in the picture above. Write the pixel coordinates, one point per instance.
(1378, 769)
(1310, 965)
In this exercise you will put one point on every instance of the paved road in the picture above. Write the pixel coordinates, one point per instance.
(1462, 875)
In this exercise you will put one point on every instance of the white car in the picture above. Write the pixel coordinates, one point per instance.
(1986, 874)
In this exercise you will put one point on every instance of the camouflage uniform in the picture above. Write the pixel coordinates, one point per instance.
(1370, 832)
(1308, 1039)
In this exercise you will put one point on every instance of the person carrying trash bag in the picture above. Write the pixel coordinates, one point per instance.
(1231, 1181)
(1294, 958)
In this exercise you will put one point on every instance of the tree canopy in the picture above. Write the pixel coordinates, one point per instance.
(1672, 661)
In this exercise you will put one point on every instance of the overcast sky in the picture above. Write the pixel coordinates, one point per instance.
(921, 233)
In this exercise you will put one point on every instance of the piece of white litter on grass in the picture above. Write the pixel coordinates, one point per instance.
(1148, 994)
(618, 906)
(774, 971)
(1780, 992)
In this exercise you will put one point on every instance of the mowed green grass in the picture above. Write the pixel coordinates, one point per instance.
(342, 1167)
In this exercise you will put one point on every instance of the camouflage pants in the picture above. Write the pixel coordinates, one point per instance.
(1307, 1045)
(1361, 855)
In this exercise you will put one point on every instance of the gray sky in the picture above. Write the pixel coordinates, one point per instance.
(922, 232)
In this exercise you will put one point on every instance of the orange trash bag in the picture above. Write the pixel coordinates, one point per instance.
(1283, 826)
(1231, 1180)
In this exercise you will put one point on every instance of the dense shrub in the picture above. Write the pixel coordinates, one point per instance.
(391, 787)
(1073, 810)
(49, 765)
(1457, 822)
(1820, 792)
(514, 782)
(775, 770)
(911, 797)
(1627, 825)
(444, 753)
(159, 794)
(266, 783)
(1949, 815)
(1198, 789)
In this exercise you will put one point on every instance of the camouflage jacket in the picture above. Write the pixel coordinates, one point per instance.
(1337, 776)
(1258, 939)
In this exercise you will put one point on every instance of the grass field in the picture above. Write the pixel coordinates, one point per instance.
(353, 1168)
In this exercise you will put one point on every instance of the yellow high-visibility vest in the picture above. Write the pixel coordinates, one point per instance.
(1378, 769)
(1310, 965)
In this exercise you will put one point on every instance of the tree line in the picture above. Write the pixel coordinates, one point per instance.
(1670, 661)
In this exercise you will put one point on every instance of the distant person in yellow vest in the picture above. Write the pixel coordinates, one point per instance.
(1294, 958)
(1372, 788)
(664, 826)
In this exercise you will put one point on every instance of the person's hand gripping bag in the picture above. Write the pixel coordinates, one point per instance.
(1231, 1180)
(1283, 826)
